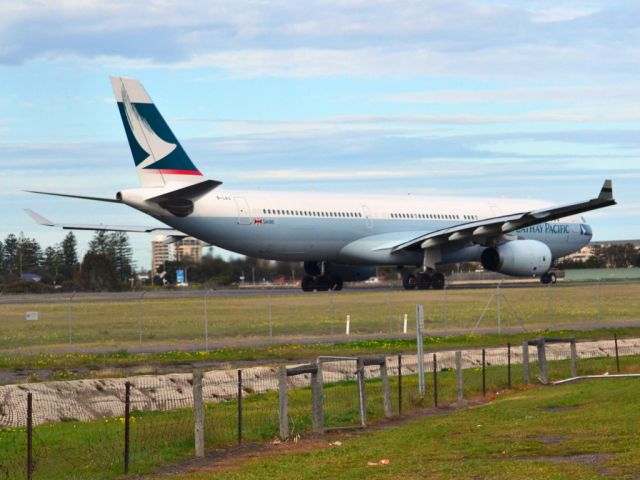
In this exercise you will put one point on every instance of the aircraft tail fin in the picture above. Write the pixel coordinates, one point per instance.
(159, 158)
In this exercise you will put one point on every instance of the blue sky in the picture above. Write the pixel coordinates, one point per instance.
(499, 98)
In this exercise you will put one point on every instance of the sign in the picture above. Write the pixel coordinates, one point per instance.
(32, 316)
(179, 276)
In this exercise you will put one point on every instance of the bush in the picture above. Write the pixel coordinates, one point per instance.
(27, 286)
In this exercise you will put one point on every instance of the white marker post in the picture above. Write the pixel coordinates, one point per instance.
(348, 324)
(404, 326)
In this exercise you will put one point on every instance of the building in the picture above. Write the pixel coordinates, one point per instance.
(159, 252)
(188, 247)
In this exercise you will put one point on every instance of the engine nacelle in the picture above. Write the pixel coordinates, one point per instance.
(519, 258)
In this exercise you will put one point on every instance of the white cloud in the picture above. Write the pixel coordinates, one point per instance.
(314, 38)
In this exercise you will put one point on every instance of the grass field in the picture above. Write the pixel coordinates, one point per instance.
(127, 324)
(73, 449)
(580, 431)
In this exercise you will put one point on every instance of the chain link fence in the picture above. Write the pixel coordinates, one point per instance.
(104, 428)
(209, 319)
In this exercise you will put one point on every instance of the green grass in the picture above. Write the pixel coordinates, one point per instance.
(539, 433)
(75, 449)
(118, 324)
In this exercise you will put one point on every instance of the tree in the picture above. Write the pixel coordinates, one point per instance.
(97, 273)
(69, 256)
(122, 254)
(102, 243)
(54, 262)
(29, 254)
(9, 262)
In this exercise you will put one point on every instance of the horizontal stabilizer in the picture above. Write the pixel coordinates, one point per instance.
(106, 228)
(83, 197)
(191, 192)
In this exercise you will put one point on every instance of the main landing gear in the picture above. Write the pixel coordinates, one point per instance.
(317, 278)
(548, 277)
(423, 280)
(321, 283)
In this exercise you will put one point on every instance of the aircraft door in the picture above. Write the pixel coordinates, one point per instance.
(243, 211)
(367, 217)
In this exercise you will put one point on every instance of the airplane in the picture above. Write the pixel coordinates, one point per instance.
(339, 237)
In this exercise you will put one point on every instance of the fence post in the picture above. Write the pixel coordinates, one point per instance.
(459, 377)
(574, 358)
(386, 390)
(283, 405)
(542, 360)
(435, 381)
(400, 384)
(29, 436)
(484, 373)
(525, 361)
(362, 393)
(509, 364)
(127, 424)
(615, 339)
(239, 407)
(198, 413)
(419, 341)
(317, 400)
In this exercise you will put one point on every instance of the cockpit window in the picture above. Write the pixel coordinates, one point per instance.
(585, 229)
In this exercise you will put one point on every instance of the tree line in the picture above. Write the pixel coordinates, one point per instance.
(619, 255)
(107, 265)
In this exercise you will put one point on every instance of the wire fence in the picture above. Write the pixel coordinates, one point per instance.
(209, 318)
(104, 428)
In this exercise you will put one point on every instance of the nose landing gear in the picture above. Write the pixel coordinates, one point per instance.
(548, 277)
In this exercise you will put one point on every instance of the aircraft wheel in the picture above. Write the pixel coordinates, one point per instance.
(553, 277)
(423, 280)
(322, 283)
(437, 281)
(335, 283)
(409, 282)
(547, 278)
(308, 283)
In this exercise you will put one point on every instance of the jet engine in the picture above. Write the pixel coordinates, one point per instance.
(519, 258)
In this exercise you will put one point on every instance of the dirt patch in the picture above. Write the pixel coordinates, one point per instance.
(234, 458)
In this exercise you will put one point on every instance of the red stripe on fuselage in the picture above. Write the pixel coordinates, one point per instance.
(174, 172)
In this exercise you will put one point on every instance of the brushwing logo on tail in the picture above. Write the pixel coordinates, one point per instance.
(155, 147)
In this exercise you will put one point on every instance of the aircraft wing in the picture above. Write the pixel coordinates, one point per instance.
(482, 230)
(170, 232)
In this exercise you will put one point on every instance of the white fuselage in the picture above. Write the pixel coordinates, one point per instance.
(348, 228)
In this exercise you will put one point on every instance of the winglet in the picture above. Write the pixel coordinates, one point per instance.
(606, 193)
(39, 218)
